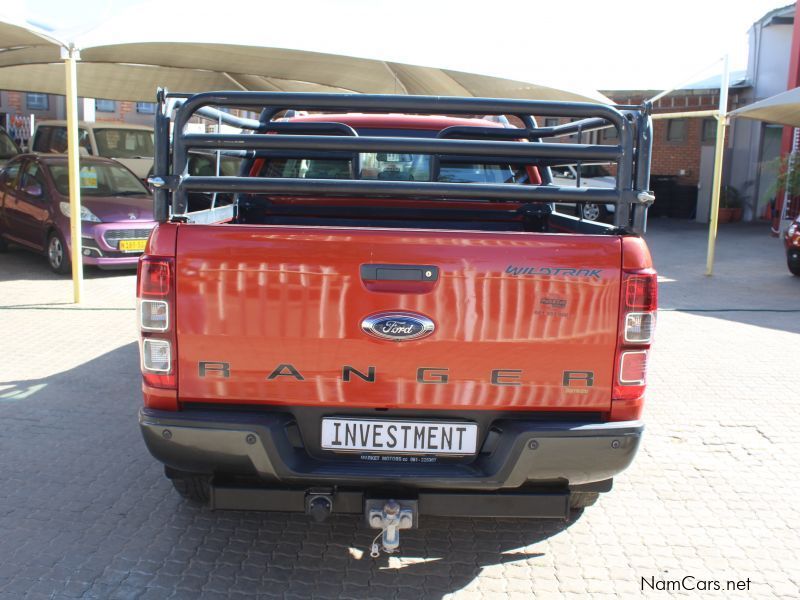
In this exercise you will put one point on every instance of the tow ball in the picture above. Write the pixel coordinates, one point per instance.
(390, 516)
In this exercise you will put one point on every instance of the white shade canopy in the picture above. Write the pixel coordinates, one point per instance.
(783, 109)
(30, 61)
(135, 71)
(22, 44)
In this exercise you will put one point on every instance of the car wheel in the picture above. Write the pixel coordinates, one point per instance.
(57, 255)
(579, 500)
(3, 244)
(192, 486)
(592, 212)
(793, 262)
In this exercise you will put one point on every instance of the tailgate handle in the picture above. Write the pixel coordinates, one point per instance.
(423, 273)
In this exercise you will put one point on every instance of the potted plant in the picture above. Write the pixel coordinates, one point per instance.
(787, 178)
(730, 205)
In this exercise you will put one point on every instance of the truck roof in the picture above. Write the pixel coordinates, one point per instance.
(396, 121)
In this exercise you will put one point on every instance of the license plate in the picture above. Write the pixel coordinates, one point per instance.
(132, 245)
(399, 437)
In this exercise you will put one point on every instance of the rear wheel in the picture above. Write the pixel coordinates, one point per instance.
(57, 255)
(582, 499)
(195, 488)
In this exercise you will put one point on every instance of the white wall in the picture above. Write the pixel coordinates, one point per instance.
(772, 70)
(768, 71)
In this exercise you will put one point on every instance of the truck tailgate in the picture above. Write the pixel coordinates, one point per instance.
(272, 315)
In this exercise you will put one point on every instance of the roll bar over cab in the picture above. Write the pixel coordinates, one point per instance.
(632, 155)
(395, 346)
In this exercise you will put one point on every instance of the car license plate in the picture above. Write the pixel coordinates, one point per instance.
(132, 245)
(399, 437)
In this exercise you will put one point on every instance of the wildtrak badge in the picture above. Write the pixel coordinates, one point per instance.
(527, 270)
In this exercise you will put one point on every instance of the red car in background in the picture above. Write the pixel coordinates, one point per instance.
(792, 242)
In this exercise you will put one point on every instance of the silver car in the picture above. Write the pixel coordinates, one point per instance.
(591, 176)
(132, 145)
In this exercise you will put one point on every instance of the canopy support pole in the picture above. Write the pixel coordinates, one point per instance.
(716, 186)
(71, 56)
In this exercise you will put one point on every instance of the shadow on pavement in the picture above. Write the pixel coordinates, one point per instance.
(85, 511)
(19, 264)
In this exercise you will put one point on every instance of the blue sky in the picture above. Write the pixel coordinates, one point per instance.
(620, 45)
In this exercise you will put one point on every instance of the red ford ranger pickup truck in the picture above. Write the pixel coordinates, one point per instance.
(392, 320)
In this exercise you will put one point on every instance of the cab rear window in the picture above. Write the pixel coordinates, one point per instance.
(390, 167)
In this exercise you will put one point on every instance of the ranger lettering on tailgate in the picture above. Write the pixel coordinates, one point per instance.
(214, 369)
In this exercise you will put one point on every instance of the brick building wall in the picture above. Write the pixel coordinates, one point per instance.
(680, 158)
(674, 158)
(16, 103)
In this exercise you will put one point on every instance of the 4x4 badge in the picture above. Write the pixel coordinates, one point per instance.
(398, 326)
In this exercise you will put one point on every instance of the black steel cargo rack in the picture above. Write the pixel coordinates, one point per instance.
(631, 154)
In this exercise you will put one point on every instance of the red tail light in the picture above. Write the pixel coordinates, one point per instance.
(641, 291)
(156, 320)
(154, 277)
(638, 305)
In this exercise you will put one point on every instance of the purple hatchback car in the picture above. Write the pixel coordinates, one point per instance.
(116, 210)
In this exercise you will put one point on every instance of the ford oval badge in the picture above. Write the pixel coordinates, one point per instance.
(398, 326)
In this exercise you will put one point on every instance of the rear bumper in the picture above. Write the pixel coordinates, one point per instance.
(260, 444)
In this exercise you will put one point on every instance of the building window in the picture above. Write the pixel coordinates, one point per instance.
(105, 105)
(146, 108)
(38, 101)
(709, 130)
(551, 122)
(676, 130)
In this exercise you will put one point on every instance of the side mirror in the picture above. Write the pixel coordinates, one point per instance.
(34, 190)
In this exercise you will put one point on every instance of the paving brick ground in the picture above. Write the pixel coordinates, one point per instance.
(86, 513)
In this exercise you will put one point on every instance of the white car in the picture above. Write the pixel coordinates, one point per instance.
(132, 145)
(591, 176)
